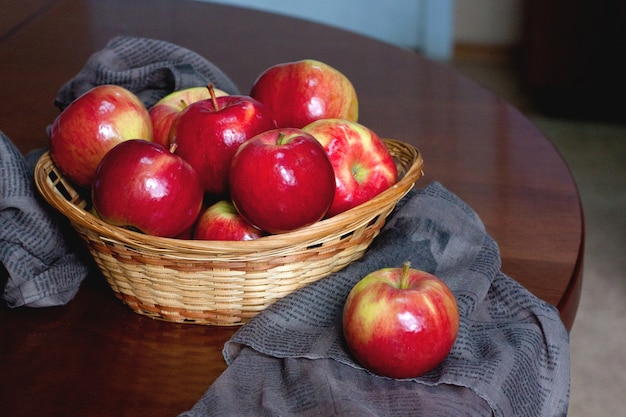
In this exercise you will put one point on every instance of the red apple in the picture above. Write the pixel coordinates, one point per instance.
(208, 133)
(400, 322)
(164, 112)
(143, 186)
(93, 124)
(281, 180)
(300, 92)
(221, 221)
(363, 166)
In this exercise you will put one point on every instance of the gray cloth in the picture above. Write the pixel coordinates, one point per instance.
(511, 357)
(150, 68)
(43, 268)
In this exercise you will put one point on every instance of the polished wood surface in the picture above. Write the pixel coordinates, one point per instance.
(96, 357)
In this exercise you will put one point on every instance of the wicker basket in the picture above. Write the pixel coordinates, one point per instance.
(217, 282)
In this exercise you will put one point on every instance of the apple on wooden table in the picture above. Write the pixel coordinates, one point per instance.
(400, 322)
(143, 186)
(164, 112)
(297, 93)
(221, 221)
(207, 134)
(93, 124)
(363, 166)
(281, 180)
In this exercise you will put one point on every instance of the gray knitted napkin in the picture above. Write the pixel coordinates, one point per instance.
(150, 68)
(511, 357)
(44, 268)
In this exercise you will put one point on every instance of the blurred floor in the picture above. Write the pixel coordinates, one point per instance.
(595, 152)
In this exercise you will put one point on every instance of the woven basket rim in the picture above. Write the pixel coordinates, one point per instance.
(309, 235)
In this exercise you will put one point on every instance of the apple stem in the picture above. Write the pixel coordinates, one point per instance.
(279, 139)
(404, 282)
(213, 97)
(173, 146)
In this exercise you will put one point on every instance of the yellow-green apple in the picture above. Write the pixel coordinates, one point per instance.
(281, 180)
(363, 166)
(164, 112)
(93, 124)
(143, 186)
(400, 322)
(221, 221)
(300, 92)
(208, 133)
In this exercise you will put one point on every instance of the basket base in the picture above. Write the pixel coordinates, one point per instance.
(179, 315)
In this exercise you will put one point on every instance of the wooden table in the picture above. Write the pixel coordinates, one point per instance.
(95, 356)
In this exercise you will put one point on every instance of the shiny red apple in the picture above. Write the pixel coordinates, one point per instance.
(143, 186)
(363, 166)
(93, 124)
(208, 133)
(297, 93)
(221, 221)
(400, 322)
(281, 180)
(164, 112)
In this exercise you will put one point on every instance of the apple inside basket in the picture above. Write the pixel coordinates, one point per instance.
(223, 282)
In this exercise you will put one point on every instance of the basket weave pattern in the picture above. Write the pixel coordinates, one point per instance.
(218, 282)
